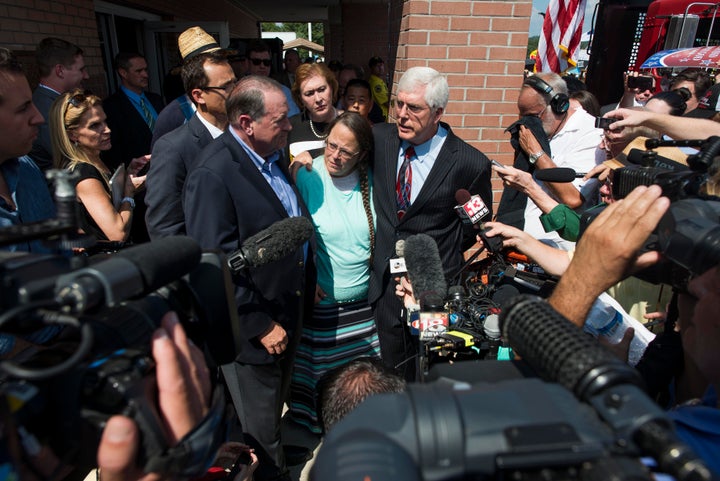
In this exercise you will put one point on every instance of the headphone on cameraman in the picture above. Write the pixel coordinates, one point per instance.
(559, 102)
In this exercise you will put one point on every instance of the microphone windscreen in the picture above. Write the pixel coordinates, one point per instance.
(560, 351)
(277, 241)
(424, 266)
(164, 260)
(504, 294)
(555, 174)
(462, 196)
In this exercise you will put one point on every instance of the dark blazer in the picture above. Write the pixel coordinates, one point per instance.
(130, 135)
(458, 166)
(226, 200)
(172, 159)
(171, 117)
(41, 151)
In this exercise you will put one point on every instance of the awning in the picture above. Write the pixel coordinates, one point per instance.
(702, 57)
(306, 44)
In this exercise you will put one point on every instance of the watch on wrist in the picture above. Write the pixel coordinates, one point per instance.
(128, 200)
(534, 157)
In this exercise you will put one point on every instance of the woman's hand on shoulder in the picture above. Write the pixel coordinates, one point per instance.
(303, 159)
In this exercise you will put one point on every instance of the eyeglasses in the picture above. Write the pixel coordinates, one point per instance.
(77, 100)
(227, 88)
(344, 154)
(258, 61)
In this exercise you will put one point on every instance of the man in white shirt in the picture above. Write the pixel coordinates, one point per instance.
(574, 143)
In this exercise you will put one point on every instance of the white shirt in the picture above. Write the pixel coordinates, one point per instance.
(575, 145)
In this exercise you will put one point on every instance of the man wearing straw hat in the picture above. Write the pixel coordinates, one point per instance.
(208, 80)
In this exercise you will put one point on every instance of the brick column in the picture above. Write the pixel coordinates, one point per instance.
(481, 47)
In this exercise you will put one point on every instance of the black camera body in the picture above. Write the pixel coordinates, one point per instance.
(688, 234)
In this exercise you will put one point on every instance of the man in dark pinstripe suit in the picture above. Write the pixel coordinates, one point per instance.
(440, 163)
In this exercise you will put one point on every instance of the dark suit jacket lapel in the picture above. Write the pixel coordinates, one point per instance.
(249, 171)
(199, 131)
(390, 156)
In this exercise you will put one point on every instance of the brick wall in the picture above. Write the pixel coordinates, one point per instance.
(481, 47)
(21, 28)
(24, 23)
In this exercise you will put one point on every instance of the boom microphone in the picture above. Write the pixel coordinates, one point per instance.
(560, 352)
(130, 273)
(557, 174)
(272, 244)
(424, 268)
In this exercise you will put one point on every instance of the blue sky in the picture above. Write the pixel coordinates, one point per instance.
(541, 5)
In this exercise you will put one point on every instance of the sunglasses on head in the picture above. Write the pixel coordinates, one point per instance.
(258, 61)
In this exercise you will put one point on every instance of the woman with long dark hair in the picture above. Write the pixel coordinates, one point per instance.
(337, 192)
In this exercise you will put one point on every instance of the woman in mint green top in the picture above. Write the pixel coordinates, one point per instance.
(337, 192)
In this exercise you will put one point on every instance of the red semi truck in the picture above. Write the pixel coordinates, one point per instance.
(627, 32)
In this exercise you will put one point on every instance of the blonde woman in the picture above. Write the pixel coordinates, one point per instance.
(79, 132)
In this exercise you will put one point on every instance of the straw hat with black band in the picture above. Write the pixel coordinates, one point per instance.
(194, 41)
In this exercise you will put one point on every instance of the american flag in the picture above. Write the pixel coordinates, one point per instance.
(562, 30)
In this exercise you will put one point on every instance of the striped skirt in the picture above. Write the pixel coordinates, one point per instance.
(336, 334)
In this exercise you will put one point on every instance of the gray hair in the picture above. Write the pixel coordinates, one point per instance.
(437, 90)
(247, 97)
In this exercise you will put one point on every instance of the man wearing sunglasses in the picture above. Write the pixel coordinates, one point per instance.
(260, 63)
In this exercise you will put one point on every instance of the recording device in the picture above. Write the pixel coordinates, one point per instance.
(86, 325)
(641, 82)
(279, 240)
(588, 421)
(687, 235)
(471, 209)
(604, 122)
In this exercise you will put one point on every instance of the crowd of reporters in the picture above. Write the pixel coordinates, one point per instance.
(681, 365)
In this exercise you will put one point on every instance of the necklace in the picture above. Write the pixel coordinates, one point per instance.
(315, 133)
(312, 127)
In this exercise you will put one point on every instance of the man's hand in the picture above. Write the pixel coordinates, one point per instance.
(515, 178)
(528, 142)
(404, 290)
(183, 383)
(275, 339)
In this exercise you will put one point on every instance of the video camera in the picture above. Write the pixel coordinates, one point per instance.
(76, 337)
(492, 427)
(688, 235)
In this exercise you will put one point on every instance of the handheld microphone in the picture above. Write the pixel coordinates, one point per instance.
(558, 174)
(471, 210)
(272, 244)
(130, 273)
(424, 266)
(425, 272)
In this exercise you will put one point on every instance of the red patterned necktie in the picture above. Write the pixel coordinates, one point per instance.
(403, 186)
